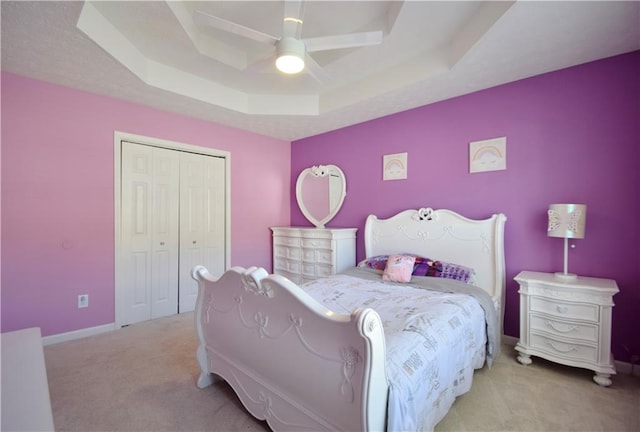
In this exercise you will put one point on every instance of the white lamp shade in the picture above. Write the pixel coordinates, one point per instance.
(567, 220)
(290, 58)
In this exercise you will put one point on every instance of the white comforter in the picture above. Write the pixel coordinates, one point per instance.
(434, 342)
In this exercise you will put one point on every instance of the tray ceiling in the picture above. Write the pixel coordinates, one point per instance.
(155, 53)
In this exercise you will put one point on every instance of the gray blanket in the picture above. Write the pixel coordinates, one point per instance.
(449, 286)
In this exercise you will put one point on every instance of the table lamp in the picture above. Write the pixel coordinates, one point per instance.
(566, 221)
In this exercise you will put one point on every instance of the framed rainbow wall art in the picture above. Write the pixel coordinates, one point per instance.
(488, 155)
(394, 166)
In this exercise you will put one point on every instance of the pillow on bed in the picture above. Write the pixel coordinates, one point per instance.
(376, 262)
(398, 268)
(426, 267)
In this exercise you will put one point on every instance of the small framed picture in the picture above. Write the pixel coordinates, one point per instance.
(394, 166)
(488, 155)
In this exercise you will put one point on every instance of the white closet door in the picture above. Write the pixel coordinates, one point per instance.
(164, 293)
(202, 221)
(213, 243)
(150, 179)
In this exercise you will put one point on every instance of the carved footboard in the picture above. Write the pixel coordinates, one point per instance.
(291, 361)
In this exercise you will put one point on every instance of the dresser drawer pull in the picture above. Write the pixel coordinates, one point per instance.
(564, 348)
(562, 309)
(560, 329)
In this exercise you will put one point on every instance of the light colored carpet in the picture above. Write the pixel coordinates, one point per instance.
(142, 378)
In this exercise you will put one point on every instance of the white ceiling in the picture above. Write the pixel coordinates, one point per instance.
(153, 53)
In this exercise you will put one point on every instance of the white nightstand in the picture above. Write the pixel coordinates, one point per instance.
(567, 322)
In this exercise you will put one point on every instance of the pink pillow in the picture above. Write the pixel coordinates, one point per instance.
(399, 268)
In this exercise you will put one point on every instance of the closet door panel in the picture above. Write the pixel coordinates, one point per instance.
(202, 221)
(166, 181)
(214, 248)
(191, 226)
(137, 182)
(150, 179)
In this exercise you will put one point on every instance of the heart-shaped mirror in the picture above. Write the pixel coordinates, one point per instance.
(320, 191)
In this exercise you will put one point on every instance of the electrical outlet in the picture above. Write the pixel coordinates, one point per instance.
(83, 300)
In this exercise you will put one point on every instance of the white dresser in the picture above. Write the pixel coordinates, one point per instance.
(305, 254)
(567, 322)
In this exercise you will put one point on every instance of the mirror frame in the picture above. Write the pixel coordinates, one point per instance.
(320, 171)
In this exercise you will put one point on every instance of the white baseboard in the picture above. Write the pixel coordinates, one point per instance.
(621, 367)
(77, 334)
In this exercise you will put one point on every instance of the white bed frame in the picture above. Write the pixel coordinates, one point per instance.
(300, 366)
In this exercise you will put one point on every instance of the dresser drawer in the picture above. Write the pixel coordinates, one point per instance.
(286, 265)
(318, 256)
(287, 241)
(286, 252)
(316, 270)
(574, 330)
(588, 312)
(316, 243)
(569, 350)
(324, 271)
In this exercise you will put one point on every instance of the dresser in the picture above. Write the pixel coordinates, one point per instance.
(305, 254)
(567, 321)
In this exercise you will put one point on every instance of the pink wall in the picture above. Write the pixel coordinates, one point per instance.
(572, 136)
(57, 197)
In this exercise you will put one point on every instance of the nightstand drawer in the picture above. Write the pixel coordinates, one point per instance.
(575, 351)
(586, 332)
(587, 312)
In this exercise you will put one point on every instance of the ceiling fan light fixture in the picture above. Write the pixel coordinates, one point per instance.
(290, 58)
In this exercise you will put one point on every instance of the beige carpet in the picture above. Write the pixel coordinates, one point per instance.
(142, 378)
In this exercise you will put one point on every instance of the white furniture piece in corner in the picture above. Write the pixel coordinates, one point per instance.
(567, 322)
(305, 254)
(26, 404)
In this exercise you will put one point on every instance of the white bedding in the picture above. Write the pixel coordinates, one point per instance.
(434, 342)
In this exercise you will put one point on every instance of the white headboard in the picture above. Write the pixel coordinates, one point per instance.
(445, 236)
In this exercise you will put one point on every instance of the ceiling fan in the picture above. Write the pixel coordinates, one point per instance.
(291, 52)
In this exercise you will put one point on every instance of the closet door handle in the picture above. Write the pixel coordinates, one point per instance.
(194, 242)
(161, 243)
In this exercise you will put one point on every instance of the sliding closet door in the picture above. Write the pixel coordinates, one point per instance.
(149, 226)
(202, 221)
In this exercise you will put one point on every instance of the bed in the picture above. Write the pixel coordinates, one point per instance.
(353, 351)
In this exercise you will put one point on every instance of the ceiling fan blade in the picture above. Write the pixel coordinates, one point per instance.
(293, 13)
(315, 70)
(351, 40)
(262, 65)
(203, 18)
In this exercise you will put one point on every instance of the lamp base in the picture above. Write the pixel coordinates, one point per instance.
(565, 276)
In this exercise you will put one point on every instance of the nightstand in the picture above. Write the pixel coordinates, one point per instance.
(567, 322)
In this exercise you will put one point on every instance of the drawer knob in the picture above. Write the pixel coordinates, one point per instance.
(562, 309)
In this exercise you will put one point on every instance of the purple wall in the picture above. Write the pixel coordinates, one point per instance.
(572, 136)
(57, 197)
